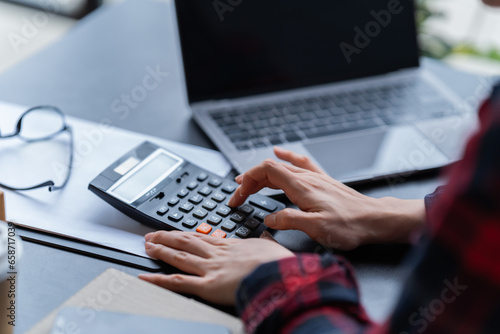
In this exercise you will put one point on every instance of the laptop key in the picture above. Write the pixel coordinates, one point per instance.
(242, 147)
(352, 117)
(324, 131)
(292, 137)
(360, 125)
(306, 116)
(275, 140)
(259, 144)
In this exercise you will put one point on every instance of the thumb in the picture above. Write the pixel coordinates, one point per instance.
(288, 219)
(267, 236)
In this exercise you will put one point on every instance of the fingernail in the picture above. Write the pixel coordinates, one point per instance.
(266, 234)
(149, 245)
(148, 236)
(143, 276)
(277, 148)
(270, 220)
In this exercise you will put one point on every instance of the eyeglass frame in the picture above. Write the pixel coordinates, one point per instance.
(17, 132)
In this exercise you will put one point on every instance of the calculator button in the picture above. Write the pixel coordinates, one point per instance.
(218, 197)
(215, 182)
(202, 177)
(252, 223)
(260, 215)
(205, 191)
(196, 199)
(209, 205)
(190, 223)
(214, 220)
(237, 217)
(183, 193)
(192, 185)
(228, 226)
(204, 228)
(173, 201)
(229, 188)
(162, 211)
(246, 209)
(242, 232)
(219, 234)
(175, 216)
(264, 204)
(223, 211)
(200, 213)
(186, 207)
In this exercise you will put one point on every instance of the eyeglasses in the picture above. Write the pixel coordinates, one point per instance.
(39, 124)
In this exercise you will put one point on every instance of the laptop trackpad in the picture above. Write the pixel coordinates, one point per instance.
(379, 152)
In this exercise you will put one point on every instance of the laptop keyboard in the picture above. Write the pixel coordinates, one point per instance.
(257, 126)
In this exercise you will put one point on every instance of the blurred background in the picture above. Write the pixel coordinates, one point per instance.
(464, 33)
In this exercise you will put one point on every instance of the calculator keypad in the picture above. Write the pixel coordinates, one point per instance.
(201, 206)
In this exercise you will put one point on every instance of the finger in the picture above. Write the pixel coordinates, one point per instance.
(291, 219)
(267, 236)
(178, 283)
(296, 159)
(187, 242)
(180, 259)
(215, 241)
(267, 174)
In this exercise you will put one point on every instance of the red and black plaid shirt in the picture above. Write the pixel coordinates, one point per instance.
(455, 284)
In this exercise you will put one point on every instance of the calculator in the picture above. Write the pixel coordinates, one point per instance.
(163, 190)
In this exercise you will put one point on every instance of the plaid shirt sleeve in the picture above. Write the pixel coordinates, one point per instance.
(302, 294)
(455, 284)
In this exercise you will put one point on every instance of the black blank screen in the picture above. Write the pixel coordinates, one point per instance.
(267, 45)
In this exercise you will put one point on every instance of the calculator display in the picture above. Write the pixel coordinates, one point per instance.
(140, 180)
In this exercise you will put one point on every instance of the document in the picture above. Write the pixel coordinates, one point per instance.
(131, 295)
(74, 211)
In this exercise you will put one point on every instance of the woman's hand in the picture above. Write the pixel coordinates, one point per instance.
(218, 265)
(330, 212)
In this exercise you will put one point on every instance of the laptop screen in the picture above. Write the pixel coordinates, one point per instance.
(235, 48)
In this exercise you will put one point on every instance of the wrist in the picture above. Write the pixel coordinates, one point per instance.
(396, 220)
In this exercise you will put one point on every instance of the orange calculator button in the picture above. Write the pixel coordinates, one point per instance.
(219, 234)
(204, 228)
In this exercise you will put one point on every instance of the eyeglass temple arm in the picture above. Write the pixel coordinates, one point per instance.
(71, 158)
(49, 184)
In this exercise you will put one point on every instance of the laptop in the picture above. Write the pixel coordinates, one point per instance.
(337, 81)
